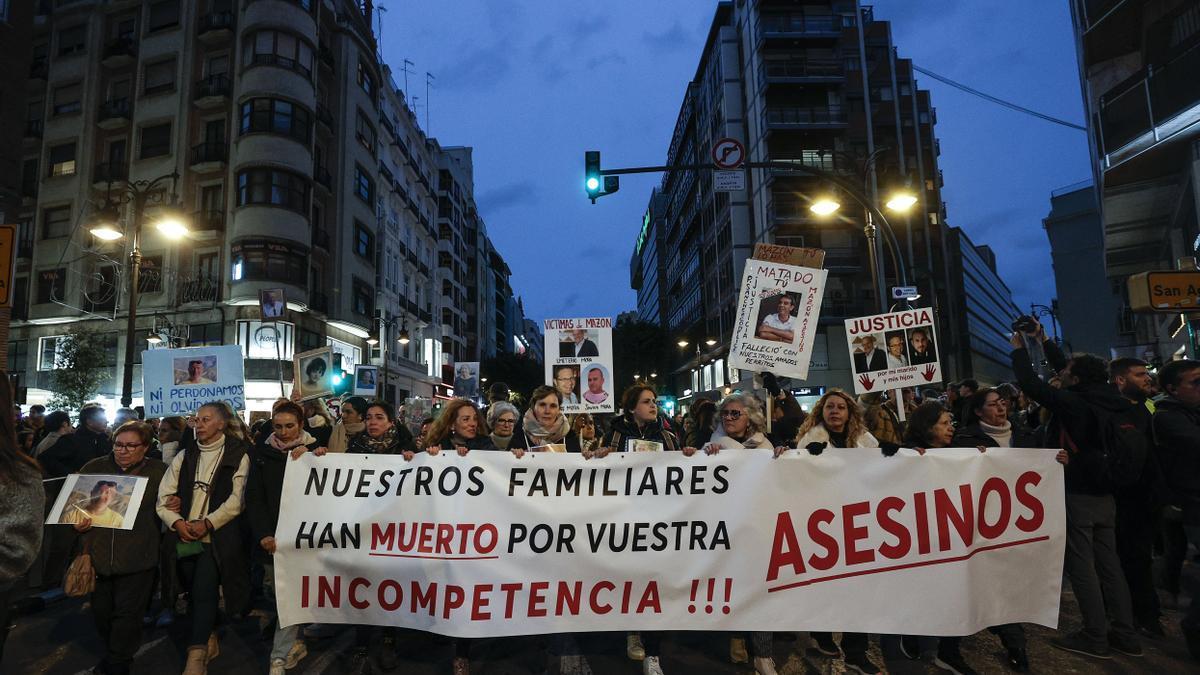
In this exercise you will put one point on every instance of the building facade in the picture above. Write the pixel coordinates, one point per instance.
(1088, 309)
(276, 128)
(818, 85)
(986, 312)
(1138, 62)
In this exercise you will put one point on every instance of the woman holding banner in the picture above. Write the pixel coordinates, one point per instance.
(264, 487)
(544, 427)
(639, 428)
(742, 426)
(460, 427)
(502, 419)
(351, 424)
(837, 420)
(201, 500)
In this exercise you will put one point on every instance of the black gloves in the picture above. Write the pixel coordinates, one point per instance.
(888, 448)
(815, 448)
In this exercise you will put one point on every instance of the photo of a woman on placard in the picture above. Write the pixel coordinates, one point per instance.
(312, 375)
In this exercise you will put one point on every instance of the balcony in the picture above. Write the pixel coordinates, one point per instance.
(33, 129)
(212, 92)
(803, 117)
(119, 53)
(198, 288)
(208, 220)
(322, 177)
(1150, 107)
(324, 116)
(207, 157)
(109, 172)
(282, 62)
(113, 114)
(216, 27)
(39, 69)
(320, 238)
(796, 26)
(802, 70)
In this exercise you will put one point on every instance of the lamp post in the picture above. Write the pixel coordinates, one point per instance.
(402, 338)
(137, 194)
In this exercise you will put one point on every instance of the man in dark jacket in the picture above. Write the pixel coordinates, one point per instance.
(1091, 565)
(1176, 428)
(125, 560)
(72, 451)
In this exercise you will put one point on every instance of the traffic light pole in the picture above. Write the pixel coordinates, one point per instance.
(874, 215)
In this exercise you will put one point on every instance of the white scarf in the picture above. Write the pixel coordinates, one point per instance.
(1002, 434)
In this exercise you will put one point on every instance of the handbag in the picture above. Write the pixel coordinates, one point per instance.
(80, 578)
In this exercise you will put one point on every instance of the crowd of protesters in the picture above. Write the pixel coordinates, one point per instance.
(201, 549)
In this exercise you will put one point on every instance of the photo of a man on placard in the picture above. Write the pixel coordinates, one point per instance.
(196, 371)
(577, 343)
(565, 378)
(920, 346)
(595, 392)
(776, 322)
(866, 356)
(896, 356)
(272, 303)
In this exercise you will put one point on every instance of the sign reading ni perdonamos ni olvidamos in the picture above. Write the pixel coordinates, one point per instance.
(179, 381)
(579, 363)
(776, 319)
(489, 545)
(894, 350)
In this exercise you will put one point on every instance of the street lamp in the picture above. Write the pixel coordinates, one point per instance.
(381, 340)
(137, 194)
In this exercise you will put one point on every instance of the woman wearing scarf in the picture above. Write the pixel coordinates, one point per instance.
(639, 426)
(544, 425)
(318, 422)
(459, 427)
(502, 419)
(351, 425)
(742, 425)
(200, 500)
(264, 487)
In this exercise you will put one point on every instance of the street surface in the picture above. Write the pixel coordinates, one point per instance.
(61, 640)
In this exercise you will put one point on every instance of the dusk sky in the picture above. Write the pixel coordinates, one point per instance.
(532, 84)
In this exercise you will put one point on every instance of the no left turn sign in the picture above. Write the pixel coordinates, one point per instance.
(728, 153)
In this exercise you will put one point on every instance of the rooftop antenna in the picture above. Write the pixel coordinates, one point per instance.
(379, 31)
(429, 78)
(406, 71)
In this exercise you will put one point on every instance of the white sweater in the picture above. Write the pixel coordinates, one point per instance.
(818, 434)
(210, 455)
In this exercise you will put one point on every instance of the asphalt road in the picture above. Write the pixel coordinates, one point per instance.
(61, 640)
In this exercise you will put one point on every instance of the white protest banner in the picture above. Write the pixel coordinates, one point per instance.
(110, 501)
(776, 318)
(893, 351)
(579, 363)
(488, 545)
(179, 381)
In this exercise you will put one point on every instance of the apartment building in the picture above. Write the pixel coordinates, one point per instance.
(819, 84)
(1138, 62)
(274, 126)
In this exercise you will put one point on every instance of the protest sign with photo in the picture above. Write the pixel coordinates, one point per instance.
(466, 380)
(366, 380)
(313, 375)
(178, 381)
(493, 545)
(893, 351)
(106, 501)
(776, 320)
(579, 363)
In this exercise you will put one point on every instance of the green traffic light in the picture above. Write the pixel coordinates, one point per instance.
(593, 183)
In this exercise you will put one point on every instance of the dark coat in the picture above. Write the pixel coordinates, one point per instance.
(321, 434)
(264, 487)
(229, 542)
(477, 443)
(878, 361)
(71, 452)
(1176, 432)
(625, 428)
(521, 441)
(128, 551)
(973, 435)
(1075, 416)
(404, 443)
(586, 348)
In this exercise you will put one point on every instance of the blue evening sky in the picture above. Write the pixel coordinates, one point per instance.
(532, 84)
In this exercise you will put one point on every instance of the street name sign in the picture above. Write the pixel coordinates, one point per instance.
(904, 292)
(1170, 292)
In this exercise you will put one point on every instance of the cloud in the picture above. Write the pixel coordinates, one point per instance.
(481, 67)
(584, 29)
(674, 38)
(520, 193)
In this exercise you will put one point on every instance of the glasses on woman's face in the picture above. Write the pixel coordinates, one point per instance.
(505, 420)
(126, 447)
(732, 414)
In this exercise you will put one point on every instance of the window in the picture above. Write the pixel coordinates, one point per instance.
(66, 99)
(71, 40)
(363, 298)
(364, 241)
(364, 187)
(270, 260)
(309, 339)
(62, 159)
(156, 141)
(273, 186)
(48, 351)
(159, 77)
(276, 48)
(365, 133)
(204, 335)
(278, 117)
(56, 222)
(51, 285)
(163, 14)
(18, 355)
(365, 79)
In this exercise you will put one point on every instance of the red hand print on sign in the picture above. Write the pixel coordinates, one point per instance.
(866, 381)
(929, 371)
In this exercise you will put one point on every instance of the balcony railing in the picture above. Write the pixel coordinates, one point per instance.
(213, 85)
(209, 152)
(113, 108)
(804, 68)
(1149, 100)
(200, 288)
(110, 172)
(787, 25)
(282, 62)
(834, 114)
(215, 22)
